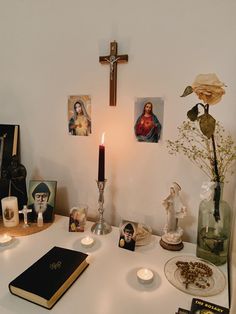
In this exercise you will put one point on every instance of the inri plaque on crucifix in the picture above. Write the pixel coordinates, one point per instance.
(112, 60)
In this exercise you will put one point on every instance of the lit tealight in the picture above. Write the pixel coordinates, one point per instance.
(5, 239)
(87, 241)
(145, 275)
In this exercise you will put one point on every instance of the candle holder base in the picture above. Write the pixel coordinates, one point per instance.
(101, 228)
(26, 225)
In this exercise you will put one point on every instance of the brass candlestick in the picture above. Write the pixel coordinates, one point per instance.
(101, 226)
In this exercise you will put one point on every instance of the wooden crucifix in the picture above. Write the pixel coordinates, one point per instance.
(113, 59)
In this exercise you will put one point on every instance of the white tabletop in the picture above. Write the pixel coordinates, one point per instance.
(109, 285)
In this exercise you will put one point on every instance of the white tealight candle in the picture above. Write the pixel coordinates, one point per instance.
(5, 239)
(87, 241)
(145, 275)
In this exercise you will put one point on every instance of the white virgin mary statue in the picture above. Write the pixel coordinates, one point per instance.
(175, 210)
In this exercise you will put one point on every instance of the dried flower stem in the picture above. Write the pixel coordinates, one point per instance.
(217, 188)
(217, 192)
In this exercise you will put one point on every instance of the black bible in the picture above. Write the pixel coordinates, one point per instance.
(48, 278)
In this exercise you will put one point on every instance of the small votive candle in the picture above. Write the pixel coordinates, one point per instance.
(10, 212)
(145, 275)
(87, 241)
(5, 239)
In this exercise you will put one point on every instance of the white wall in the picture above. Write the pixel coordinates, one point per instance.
(50, 50)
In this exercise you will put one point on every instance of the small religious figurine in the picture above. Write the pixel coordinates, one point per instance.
(175, 210)
(40, 219)
(25, 211)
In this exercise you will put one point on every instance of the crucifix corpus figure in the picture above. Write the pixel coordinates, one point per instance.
(25, 211)
(113, 59)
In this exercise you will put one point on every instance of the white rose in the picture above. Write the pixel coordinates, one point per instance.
(208, 88)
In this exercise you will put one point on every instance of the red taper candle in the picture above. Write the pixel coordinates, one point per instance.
(101, 161)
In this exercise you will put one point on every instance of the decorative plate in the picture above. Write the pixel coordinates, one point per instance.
(216, 282)
(144, 234)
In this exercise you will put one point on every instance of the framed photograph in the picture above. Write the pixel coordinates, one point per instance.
(78, 217)
(79, 115)
(41, 198)
(128, 232)
(148, 124)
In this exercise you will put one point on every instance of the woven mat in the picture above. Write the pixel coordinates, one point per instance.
(19, 231)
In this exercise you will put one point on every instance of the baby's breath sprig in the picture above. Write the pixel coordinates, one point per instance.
(193, 144)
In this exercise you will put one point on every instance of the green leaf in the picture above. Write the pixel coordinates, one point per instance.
(193, 113)
(207, 124)
(188, 90)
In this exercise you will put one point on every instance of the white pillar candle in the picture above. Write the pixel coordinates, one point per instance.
(87, 241)
(145, 275)
(10, 212)
(5, 239)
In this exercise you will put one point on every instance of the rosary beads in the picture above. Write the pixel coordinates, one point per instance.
(195, 273)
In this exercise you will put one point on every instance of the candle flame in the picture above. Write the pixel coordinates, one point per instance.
(103, 138)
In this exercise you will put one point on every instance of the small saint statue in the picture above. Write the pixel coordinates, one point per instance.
(25, 211)
(175, 210)
(40, 219)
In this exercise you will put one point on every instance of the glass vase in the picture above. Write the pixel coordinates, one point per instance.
(213, 236)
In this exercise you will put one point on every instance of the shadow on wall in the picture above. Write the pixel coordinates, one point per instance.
(112, 190)
(62, 199)
(189, 220)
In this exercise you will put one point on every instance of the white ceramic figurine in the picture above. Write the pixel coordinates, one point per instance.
(175, 210)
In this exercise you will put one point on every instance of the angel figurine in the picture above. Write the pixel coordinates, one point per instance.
(175, 210)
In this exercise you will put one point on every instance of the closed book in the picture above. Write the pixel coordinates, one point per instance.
(204, 307)
(182, 311)
(48, 278)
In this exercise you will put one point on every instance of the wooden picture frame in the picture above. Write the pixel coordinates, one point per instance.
(42, 198)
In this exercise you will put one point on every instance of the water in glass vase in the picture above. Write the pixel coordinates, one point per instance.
(213, 237)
